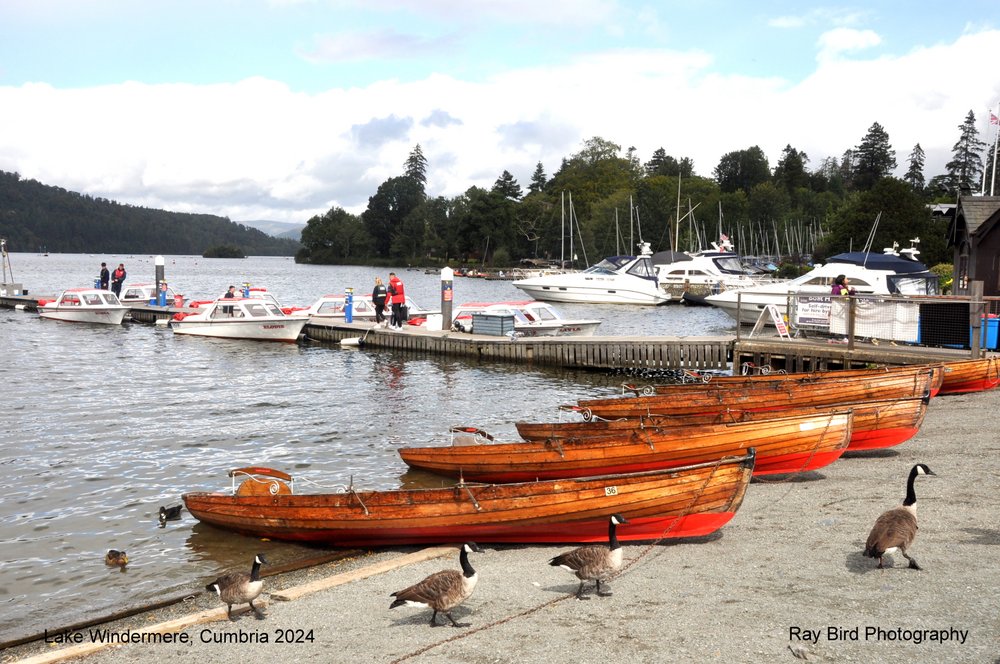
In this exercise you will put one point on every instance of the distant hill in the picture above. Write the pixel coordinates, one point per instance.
(276, 228)
(34, 215)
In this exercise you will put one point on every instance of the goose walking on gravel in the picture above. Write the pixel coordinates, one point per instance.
(444, 590)
(594, 562)
(240, 587)
(895, 529)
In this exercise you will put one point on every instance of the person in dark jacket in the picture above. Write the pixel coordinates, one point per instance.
(105, 276)
(379, 294)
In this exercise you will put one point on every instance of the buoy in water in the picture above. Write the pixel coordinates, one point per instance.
(162, 322)
(351, 341)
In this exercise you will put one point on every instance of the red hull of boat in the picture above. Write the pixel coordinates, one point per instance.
(881, 438)
(639, 528)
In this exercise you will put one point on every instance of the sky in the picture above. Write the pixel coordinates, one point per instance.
(283, 109)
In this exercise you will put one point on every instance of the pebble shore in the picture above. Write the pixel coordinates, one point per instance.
(784, 580)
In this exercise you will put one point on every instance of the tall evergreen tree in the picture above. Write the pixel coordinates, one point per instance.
(875, 158)
(416, 166)
(966, 166)
(507, 187)
(791, 169)
(915, 173)
(538, 180)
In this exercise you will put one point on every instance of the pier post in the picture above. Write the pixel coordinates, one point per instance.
(447, 296)
(161, 294)
(349, 305)
(976, 312)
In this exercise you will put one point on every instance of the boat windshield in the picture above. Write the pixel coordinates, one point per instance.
(643, 268)
(609, 265)
(729, 265)
(908, 284)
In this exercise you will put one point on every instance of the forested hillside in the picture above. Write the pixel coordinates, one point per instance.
(35, 216)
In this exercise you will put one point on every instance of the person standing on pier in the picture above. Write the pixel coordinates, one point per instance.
(397, 298)
(841, 286)
(105, 276)
(379, 294)
(117, 279)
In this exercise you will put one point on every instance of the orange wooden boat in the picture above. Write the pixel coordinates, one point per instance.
(807, 377)
(764, 396)
(876, 424)
(971, 375)
(687, 501)
(783, 445)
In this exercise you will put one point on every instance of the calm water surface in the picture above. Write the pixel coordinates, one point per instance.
(103, 425)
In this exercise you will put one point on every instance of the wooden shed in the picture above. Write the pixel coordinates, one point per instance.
(975, 237)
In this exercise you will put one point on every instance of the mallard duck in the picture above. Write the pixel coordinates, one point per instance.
(896, 529)
(594, 562)
(115, 558)
(240, 587)
(169, 514)
(444, 590)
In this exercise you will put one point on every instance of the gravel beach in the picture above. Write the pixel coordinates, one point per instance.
(785, 579)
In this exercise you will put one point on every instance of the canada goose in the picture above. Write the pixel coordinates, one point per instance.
(115, 558)
(895, 529)
(595, 561)
(444, 590)
(169, 514)
(239, 587)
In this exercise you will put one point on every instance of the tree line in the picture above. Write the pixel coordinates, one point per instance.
(790, 208)
(36, 217)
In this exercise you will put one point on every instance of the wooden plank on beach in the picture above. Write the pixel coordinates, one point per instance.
(379, 568)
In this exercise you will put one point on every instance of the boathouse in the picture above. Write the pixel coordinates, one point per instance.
(975, 236)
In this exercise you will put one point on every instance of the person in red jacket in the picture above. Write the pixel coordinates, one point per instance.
(397, 298)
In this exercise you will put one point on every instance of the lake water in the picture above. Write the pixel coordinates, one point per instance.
(103, 425)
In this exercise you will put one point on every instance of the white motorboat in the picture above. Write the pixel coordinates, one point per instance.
(701, 273)
(84, 305)
(362, 308)
(890, 273)
(144, 293)
(615, 280)
(240, 318)
(531, 318)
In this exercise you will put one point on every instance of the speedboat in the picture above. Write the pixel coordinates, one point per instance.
(890, 273)
(144, 293)
(701, 273)
(615, 280)
(240, 318)
(84, 305)
(531, 318)
(362, 308)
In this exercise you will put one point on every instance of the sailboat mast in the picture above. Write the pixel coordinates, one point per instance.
(562, 234)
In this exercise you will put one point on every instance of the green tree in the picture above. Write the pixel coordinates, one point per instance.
(395, 199)
(915, 173)
(790, 172)
(538, 180)
(742, 169)
(875, 158)
(335, 237)
(507, 187)
(416, 166)
(966, 165)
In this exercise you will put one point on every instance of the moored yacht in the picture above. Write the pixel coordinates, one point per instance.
(615, 280)
(890, 273)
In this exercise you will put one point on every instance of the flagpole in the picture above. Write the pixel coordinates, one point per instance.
(993, 177)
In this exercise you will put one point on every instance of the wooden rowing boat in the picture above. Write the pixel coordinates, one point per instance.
(687, 501)
(783, 445)
(697, 381)
(877, 424)
(764, 396)
(971, 375)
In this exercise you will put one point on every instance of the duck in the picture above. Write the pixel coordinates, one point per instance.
(594, 562)
(169, 514)
(444, 590)
(240, 587)
(115, 558)
(896, 529)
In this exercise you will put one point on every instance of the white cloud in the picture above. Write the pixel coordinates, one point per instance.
(256, 149)
(845, 40)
